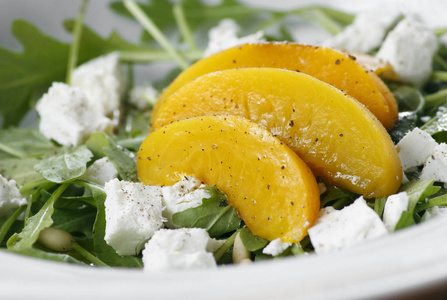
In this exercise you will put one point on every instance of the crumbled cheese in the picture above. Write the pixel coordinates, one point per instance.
(10, 197)
(436, 165)
(367, 31)
(67, 117)
(101, 171)
(415, 147)
(185, 194)
(143, 97)
(184, 248)
(434, 212)
(409, 48)
(102, 81)
(394, 207)
(133, 214)
(225, 35)
(339, 229)
(276, 247)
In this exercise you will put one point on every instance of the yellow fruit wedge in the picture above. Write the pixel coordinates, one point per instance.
(271, 188)
(339, 139)
(331, 66)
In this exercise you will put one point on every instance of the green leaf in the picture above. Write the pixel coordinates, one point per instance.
(65, 167)
(379, 205)
(215, 215)
(97, 142)
(20, 169)
(25, 141)
(338, 198)
(102, 250)
(251, 242)
(36, 223)
(33, 252)
(79, 220)
(42, 61)
(123, 162)
(417, 192)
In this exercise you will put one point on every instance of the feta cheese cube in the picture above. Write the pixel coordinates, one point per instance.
(102, 81)
(133, 214)
(409, 48)
(101, 171)
(185, 194)
(367, 31)
(395, 205)
(143, 97)
(436, 165)
(225, 35)
(415, 147)
(67, 117)
(340, 229)
(276, 247)
(10, 197)
(173, 249)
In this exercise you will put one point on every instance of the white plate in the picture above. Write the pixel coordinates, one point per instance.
(407, 263)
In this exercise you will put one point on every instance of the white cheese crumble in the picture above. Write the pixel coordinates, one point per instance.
(102, 81)
(436, 165)
(184, 248)
(340, 229)
(185, 194)
(395, 205)
(434, 212)
(133, 213)
(367, 31)
(143, 97)
(415, 147)
(67, 116)
(225, 35)
(276, 247)
(10, 197)
(409, 48)
(101, 171)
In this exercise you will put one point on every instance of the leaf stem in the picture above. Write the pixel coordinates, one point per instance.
(217, 217)
(226, 245)
(12, 151)
(149, 25)
(150, 56)
(437, 98)
(8, 223)
(439, 75)
(32, 185)
(88, 256)
(74, 48)
(182, 24)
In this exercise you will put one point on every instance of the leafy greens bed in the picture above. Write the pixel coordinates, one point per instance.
(50, 176)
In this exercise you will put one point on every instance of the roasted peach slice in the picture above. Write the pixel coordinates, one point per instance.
(272, 189)
(339, 139)
(331, 66)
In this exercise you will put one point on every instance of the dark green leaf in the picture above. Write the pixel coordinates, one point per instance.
(75, 220)
(65, 167)
(215, 215)
(43, 61)
(102, 250)
(339, 197)
(379, 205)
(251, 242)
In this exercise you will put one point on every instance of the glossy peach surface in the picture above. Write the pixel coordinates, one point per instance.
(339, 139)
(271, 188)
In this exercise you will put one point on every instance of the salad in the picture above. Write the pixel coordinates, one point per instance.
(82, 187)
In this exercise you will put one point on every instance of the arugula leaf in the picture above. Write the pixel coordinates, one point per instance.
(20, 169)
(24, 141)
(65, 167)
(417, 191)
(36, 223)
(338, 198)
(33, 252)
(21, 74)
(79, 220)
(215, 215)
(102, 250)
(123, 162)
(251, 242)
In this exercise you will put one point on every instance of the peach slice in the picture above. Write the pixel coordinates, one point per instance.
(272, 189)
(331, 66)
(339, 139)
